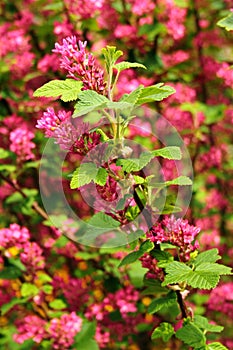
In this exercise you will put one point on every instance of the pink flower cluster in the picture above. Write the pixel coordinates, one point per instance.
(177, 232)
(177, 57)
(21, 143)
(174, 18)
(31, 254)
(150, 263)
(51, 121)
(84, 8)
(221, 299)
(80, 65)
(60, 330)
(14, 236)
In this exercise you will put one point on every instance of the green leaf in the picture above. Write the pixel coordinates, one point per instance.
(163, 258)
(58, 304)
(163, 302)
(133, 96)
(83, 340)
(68, 89)
(226, 22)
(190, 334)
(15, 301)
(214, 268)
(205, 276)
(89, 100)
(180, 180)
(101, 177)
(135, 164)
(10, 273)
(17, 263)
(164, 331)
(216, 346)
(121, 105)
(103, 221)
(29, 290)
(87, 331)
(170, 152)
(126, 65)
(47, 288)
(131, 258)
(4, 153)
(83, 175)
(111, 55)
(210, 256)
(146, 246)
(203, 323)
(155, 93)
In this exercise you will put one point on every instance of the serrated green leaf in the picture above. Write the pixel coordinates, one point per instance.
(101, 177)
(57, 304)
(155, 93)
(111, 55)
(163, 302)
(191, 335)
(89, 100)
(205, 276)
(216, 346)
(164, 331)
(214, 268)
(226, 22)
(170, 152)
(83, 175)
(126, 65)
(29, 290)
(203, 323)
(68, 89)
(210, 256)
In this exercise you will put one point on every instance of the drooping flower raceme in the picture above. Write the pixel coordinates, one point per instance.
(80, 65)
(177, 232)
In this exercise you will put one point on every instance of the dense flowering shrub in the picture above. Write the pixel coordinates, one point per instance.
(158, 289)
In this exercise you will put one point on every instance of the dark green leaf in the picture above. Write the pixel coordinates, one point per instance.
(163, 302)
(203, 323)
(10, 273)
(190, 334)
(15, 301)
